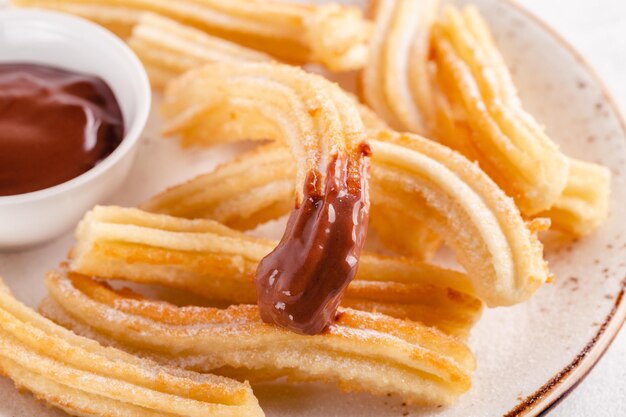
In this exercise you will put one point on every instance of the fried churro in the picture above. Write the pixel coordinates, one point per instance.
(507, 141)
(445, 78)
(475, 86)
(359, 351)
(330, 34)
(168, 48)
(84, 378)
(501, 255)
(584, 204)
(396, 81)
(300, 283)
(211, 260)
(454, 198)
(464, 45)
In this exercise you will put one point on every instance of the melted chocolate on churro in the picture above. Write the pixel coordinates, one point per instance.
(300, 284)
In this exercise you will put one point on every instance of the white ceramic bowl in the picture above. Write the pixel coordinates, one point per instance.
(72, 43)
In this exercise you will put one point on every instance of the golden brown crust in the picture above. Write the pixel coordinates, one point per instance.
(206, 258)
(509, 256)
(332, 35)
(325, 134)
(86, 379)
(168, 48)
(419, 364)
(463, 95)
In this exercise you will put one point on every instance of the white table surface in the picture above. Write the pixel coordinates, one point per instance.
(597, 28)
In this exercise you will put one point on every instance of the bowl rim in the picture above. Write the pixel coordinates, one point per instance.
(133, 131)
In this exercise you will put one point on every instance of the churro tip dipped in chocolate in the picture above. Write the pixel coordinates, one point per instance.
(299, 284)
(329, 228)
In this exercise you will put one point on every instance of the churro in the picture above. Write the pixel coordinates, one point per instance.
(475, 86)
(507, 141)
(84, 378)
(208, 259)
(359, 351)
(444, 77)
(330, 34)
(464, 45)
(300, 283)
(584, 204)
(168, 48)
(397, 81)
(500, 253)
(454, 198)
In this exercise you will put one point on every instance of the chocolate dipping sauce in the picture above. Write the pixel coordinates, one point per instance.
(54, 126)
(300, 284)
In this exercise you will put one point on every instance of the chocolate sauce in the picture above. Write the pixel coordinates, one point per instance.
(300, 283)
(54, 125)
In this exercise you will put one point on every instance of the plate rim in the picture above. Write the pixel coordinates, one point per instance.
(545, 398)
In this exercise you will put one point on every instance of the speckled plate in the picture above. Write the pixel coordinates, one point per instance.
(529, 356)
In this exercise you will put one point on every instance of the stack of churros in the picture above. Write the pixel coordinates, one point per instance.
(211, 260)
(386, 320)
(82, 377)
(470, 104)
(333, 35)
(409, 174)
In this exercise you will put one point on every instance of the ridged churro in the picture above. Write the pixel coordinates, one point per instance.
(507, 141)
(458, 35)
(211, 260)
(397, 81)
(483, 117)
(84, 378)
(444, 77)
(359, 351)
(300, 283)
(584, 204)
(168, 48)
(501, 255)
(332, 35)
(454, 198)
